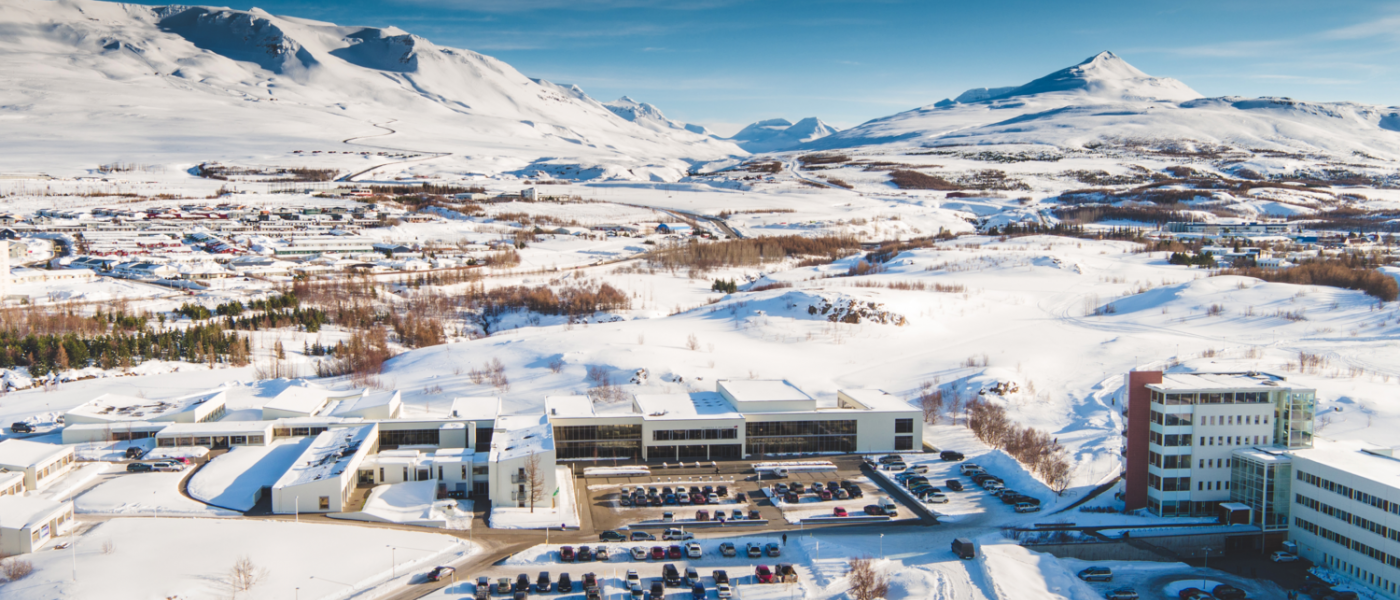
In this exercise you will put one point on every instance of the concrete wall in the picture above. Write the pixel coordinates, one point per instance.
(1138, 399)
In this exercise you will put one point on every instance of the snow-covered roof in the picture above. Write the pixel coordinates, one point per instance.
(568, 407)
(453, 455)
(305, 399)
(763, 390)
(116, 407)
(329, 455)
(19, 512)
(521, 435)
(476, 408)
(217, 428)
(876, 400)
(1353, 457)
(8, 478)
(1262, 456)
(366, 400)
(1174, 382)
(698, 405)
(24, 453)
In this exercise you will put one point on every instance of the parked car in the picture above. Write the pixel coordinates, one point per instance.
(825, 495)
(483, 588)
(670, 575)
(728, 550)
(722, 491)
(697, 592)
(139, 468)
(772, 549)
(658, 591)
(838, 512)
(565, 585)
(677, 535)
(855, 492)
(634, 581)
(741, 497)
(723, 591)
(841, 494)
(642, 536)
(1193, 594)
(134, 452)
(950, 455)
(693, 550)
(520, 595)
(684, 498)
(953, 485)
(1281, 556)
(658, 553)
(441, 573)
(670, 500)
(601, 553)
(720, 576)
(1227, 592)
(797, 488)
(702, 515)
(754, 514)
(585, 554)
(1096, 574)
(1122, 594)
(965, 467)
(566, 554)
(522, 583)
(964, 548)
(542, 583)
(736, 515)
(167, 466)
(874, 510)
(612, 536)
(763, 574)
(691, 577)
(590, 581)
(639, 553)
(1026, 507)
(916, 469)
(754, 550)
(712, 498)
(503, 586)
(889, 458)
(668, 517)
(21, 428)
(673, 552)
(938, 498)
(791, 498)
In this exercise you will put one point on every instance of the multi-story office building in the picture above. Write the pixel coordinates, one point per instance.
(1183, 429)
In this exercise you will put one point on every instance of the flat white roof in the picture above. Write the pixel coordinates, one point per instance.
(115, 407)
(698, 405)
(764, 390)
(1262, 456)
(19, 512)
(476, 408)
(1221, 381)
(327, 456)
(299, 399)
(878, 400)
(8, 477)
(24, 453)
(216, 427)
(521, 435)
(364, 400)
(1349, 457)
(569, 407)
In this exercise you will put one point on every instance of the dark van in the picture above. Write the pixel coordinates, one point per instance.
(964, 548)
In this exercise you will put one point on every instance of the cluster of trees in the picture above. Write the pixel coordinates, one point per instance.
(44, 354)
(309, 319)
(1347, 272)
(573, 301)
(905, 179)
(703, 257)
(1034, 448)
(725, 286)
(1192, 260)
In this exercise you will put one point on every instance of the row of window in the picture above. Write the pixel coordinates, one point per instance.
(609, 449)
(695, 452)
(53, 467)
(1169, 484)
(597, 432)
(408, 437)
(281, 432)
(1211, 398)
(1337, 564)
(1180, 419)
(1346, 542)
(809, 444)
(1169, 461)
(1346, 492)
(788, 428)
(1348, 518)
(664, 435)
(216, 415)
(1204, 486)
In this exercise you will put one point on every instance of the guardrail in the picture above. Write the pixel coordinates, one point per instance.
(697, 524)
(846, 520)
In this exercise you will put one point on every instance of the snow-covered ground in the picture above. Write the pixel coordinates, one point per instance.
(234, 480)
(145, 494)
(554, 511)
(192, 560)
(412, 503)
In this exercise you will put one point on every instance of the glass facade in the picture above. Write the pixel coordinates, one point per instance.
(1293, 419)
(662, 435)
(408, 437)
(611, 442)
(799, 437)
(1263, 485)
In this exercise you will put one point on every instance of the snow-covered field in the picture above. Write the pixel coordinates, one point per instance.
(235, 479)
(412, 503)
(144, 494)
(193, 558)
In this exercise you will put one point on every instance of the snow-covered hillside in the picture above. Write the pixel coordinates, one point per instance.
(776, 135)
(1105, 100)
(97, 82)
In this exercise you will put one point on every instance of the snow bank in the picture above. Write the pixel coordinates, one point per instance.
(236, 479)
(1016, 573)
(639, 471)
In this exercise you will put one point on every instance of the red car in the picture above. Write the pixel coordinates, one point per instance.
(674, 552)
(763, 574)
(697, 499)
(566, 554)
(658, 553)
(826, 494)
(838, 512)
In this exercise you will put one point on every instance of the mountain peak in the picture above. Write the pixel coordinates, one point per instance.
(776, 135)
(1104, 75)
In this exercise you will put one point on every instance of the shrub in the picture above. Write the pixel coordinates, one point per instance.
(914, 180)
(1351, 273)
(702, 256)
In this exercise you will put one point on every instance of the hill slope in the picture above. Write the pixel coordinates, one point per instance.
(97, 81)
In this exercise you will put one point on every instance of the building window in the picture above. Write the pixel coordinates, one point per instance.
(255, 439)
(903, 426)
(904, 442)
(325, 502)
(408, 437)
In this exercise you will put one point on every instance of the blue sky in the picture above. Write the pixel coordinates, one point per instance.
(726, 63)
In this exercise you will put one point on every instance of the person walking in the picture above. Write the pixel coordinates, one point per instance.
(785, 539)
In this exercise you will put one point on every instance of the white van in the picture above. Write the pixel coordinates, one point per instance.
(780, 472)
(890, 507)
(167, 465)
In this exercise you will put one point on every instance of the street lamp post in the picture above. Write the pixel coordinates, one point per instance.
(393, 561)
(882, 545)
(1205, 564)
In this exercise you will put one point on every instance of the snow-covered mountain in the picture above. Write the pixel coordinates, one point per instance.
(776, 135)
(1106, 100)
(90, 82)
(649, 116)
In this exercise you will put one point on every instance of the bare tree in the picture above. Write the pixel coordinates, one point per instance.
(556, 364)
(931, 403)
(692, 342)
(1056, 472)
(534, 478)
(15, 569)
(244, 575)
(866, 582)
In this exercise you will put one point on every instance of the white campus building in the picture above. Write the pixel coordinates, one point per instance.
(27, 522)
(325, 475)
(42, 464)
(113, 409)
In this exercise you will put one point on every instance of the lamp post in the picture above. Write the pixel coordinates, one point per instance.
(393, 561)
(1205, 564)
(296, 510)
(882, 545)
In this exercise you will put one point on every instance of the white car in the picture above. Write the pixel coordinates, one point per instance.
(601, 553)
(677, 535)
(634, 581)
(639, 553)
(1281, 556)
(723, 591)
(692, 550)
(167, 465)
(936, 498)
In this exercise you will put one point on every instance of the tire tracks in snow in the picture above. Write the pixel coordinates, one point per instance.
(387, 132)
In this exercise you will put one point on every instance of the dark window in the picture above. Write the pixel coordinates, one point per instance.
(631, 450)
(726, 452)
(903, 426)
(781, 428)
(667, 435)
(904, 442)
(408, 437)
(483, 439)
(598, 432)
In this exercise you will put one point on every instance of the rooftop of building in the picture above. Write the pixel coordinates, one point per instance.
(297, 398)
(521, 435)
(1264, 455)
(569, 407)
(26, 453)
(19, 512)
(476, 408)
(764, 390)
(1181, 382)
(329, 455)
(366, 400)
(217, 427)
(877, 400)
(1358, 458)
(8, 478)
(695, 405)
(116, 407)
